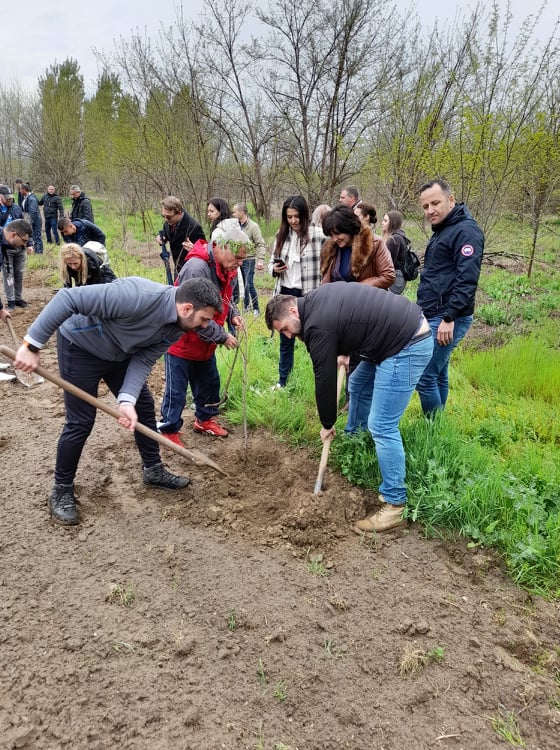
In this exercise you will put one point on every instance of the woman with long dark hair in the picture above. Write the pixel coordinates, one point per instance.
(295, 263)
(397, 244)
(217, 210)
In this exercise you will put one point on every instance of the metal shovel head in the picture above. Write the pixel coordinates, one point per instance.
(29, 379)
(6, 376)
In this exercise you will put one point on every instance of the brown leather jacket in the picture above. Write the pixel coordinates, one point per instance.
(370, 262)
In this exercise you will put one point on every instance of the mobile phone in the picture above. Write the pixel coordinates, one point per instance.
(279, 262)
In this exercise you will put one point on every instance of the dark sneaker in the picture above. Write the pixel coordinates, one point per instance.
(62, 505)
(158, 476)
(11, 305)
(21, 303)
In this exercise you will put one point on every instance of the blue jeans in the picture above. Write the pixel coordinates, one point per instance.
(51, 225)
(85, 370)
(251, 298)
(204, 380)
(37, 227)
(433, 386)
(360, 390)
(286, 364)
(12, 271)
(395, 380)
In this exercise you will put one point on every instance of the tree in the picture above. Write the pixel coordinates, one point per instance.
(55, 136)
(324, 75)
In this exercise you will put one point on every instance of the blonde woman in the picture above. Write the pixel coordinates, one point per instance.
(80, 266)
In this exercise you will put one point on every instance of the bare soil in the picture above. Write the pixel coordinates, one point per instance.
(244, 612)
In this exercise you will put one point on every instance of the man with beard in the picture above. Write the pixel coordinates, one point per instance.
(114, 332)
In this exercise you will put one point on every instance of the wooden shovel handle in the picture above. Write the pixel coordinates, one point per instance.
(328, 440)
(196, 456)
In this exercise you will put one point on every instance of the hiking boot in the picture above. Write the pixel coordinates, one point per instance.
(174, 437)
(21, 303)
(62, 505)
(158, 476)
(389, 517)
(209, 427)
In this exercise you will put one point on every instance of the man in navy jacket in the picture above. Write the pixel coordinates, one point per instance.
(448, 283)
(80, 231)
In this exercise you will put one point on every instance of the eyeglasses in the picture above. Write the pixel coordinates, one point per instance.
(23, 239)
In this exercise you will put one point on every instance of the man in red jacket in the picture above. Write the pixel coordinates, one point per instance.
(192, 360)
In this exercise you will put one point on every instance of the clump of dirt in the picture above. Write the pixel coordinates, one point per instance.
(244, 612)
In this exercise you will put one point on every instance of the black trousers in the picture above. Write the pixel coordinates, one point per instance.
(85, 370)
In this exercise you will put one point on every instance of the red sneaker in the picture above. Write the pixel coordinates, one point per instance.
(174, 437)
(209, 427)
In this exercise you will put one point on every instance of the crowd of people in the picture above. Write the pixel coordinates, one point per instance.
(338, 287)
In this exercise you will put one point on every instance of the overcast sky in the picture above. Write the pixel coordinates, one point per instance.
(58, 29)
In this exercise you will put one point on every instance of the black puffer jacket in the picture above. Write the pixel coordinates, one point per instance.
(52, 206)
(452, 266)
(343, 317)
(81, 208)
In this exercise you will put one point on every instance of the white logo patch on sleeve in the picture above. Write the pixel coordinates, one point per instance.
(467, 251)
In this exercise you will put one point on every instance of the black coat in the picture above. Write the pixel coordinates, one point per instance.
(97, 273)
(81, 208)
(187, 228)
(342, 318)
(52, 206)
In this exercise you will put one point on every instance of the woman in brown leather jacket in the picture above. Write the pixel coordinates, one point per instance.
(353, 253)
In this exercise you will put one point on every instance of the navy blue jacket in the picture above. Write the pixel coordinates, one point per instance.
(31, 207)
(10, 213)
(451, 266)
(86, 231)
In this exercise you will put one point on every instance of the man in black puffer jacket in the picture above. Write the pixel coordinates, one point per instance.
(53, 210)
(448, 283)
(81, 205)
(395, 343)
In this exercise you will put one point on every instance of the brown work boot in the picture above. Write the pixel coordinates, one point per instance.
(389, 517)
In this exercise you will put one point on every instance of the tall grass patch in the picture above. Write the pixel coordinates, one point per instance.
(523, 367)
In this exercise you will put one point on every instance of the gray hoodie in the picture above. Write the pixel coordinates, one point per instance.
(132, 318)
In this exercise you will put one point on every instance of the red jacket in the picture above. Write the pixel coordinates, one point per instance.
(200, 345)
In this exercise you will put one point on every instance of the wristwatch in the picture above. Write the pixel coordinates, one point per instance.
(32, 348)
(448, 318)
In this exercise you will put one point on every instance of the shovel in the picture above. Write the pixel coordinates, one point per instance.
(195, 456)
(164, 255)
(327, 443)
(29, 379)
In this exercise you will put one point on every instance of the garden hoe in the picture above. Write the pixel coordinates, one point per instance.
(196, 456)
(327, 443)
(29, 379)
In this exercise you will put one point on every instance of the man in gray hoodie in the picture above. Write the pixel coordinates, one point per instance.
(115, 332)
